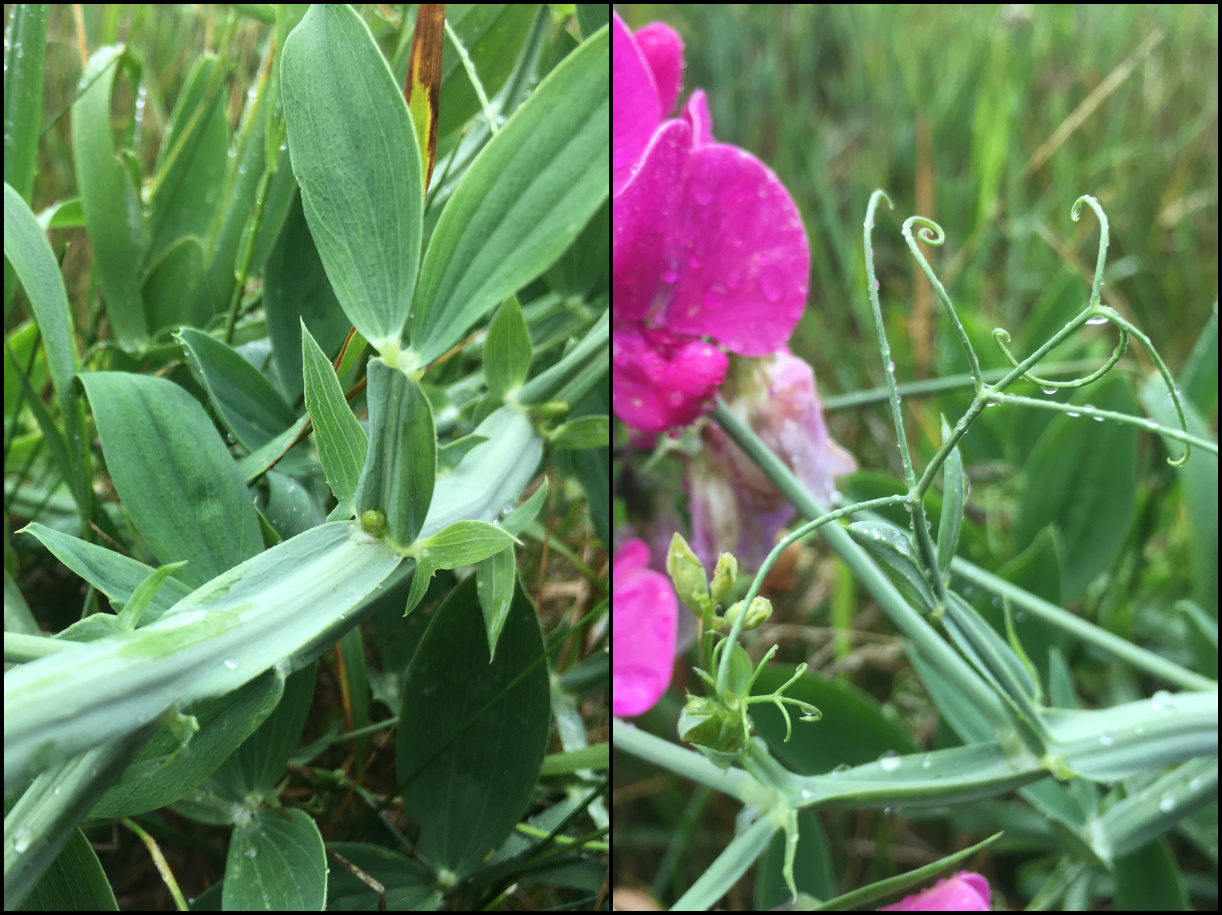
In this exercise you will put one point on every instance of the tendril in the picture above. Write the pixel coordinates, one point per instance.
(1076, 214)
(931, 233)
(1093, 308)
(1001, 337)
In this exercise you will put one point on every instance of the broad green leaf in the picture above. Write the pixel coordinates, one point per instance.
(23, 88)
(472, 732)
(522, 202)
(1083, 479)
(892, 548)
(115, 575)
(591, 17)
(583, 432)
(955, 487)
(160, 774)
(176, 288)
(507, 349)
(295, 290)
(341, 441)
(177, 480)
(584, 270)
(293, 506)
(495, 577)
(1199, 479)
(191, 161)
(298, 881)
(463, 543)
(355, 156)
(29, 253)
(229, 235)
(113, 212)
(1198, 379)
(246, 402)
(401, 465)
(24, 70)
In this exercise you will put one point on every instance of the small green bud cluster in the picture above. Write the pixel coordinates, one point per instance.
(693, 587)
(718, 724)
(723, 578)
(687, 572)
(757, 613)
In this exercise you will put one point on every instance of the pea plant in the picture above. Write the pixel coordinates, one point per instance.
(320, 385)
(1110, 780)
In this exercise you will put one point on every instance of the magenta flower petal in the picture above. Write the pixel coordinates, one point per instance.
(963, 892)
(635, 111)
(696, 113)
(659, 381)
(663, 50)
(706, 242)
(738, 252)
(642, 271)
(644, 613)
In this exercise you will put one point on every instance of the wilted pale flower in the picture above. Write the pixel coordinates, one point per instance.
(963, 892)
(734, 507)
(706, 243)
(643, 618)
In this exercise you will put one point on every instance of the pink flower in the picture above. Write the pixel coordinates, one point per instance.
(963, 892)
(662, 380)
(734, 507)
(643, 618)
(706, 243)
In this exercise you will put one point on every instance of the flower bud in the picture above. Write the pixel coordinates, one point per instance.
(716, 731)
(687, 572)
(723, 578)
(757, 613)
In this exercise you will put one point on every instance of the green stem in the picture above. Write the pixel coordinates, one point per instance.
(910, 622)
